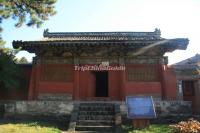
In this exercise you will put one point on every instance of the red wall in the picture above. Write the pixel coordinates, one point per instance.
(38, 85)
(85, 89)
(55, 87)
(114, 86)
(153, 88)
(83, 84)
(169, 83)
(143, 88)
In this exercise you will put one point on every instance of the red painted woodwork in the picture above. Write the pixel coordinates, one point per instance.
(37, 85)
(76, 90)
(114, 85)
(55, 87)
(143, 88)
(168, 83)
(123, 85)
(83, 85)
(32, 84)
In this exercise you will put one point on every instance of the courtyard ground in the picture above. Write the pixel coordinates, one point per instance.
(27, 128)
(159, 125)
(42, 127)
(154, 128)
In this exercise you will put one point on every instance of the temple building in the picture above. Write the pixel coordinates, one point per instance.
(109, 65)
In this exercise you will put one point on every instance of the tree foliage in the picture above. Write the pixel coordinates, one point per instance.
(22, 60)
(10, 73)
(36, 11)
(31, 12)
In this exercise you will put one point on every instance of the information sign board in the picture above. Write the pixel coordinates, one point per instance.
(140, 107)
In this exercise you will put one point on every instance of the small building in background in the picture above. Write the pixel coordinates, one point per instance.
(188, 81)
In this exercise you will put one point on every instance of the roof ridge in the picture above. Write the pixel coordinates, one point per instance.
(46, 33)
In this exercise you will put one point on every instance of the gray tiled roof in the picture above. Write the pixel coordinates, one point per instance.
(102, 35)
(125, 39)
(195, 60)
(190, 66)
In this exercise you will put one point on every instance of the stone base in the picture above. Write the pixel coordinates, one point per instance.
(37, 108)
(165, 108)
(57, 108)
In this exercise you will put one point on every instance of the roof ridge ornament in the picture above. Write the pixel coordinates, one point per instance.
(46, 32)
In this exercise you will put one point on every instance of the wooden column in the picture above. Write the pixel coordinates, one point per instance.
(32, 83)
(162, 80)
(76, 91)
(34, 80)
(163, 61)
(37, 77)
(123, 80)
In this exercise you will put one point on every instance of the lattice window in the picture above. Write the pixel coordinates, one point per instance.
(142, 74)
(188, 88)
(57, 73)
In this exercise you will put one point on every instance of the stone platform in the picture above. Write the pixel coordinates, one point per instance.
(87, 115)
(66, 107)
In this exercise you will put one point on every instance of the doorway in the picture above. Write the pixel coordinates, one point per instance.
(101, 84)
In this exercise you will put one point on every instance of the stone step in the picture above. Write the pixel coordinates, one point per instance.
(95, 117)
(95, 122)
(94, 128)
(96, 113)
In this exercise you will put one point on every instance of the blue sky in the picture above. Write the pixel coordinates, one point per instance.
(175, 18)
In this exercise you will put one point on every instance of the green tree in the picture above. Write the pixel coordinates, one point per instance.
(10, 73)
(36, 11)
(30, 12)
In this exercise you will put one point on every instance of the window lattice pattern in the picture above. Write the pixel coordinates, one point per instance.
(62, 74)
(188, 88)
(142, 74)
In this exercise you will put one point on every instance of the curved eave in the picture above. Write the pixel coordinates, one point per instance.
(57, 43)
(176, 44)
(169, 44)
(180, 43)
